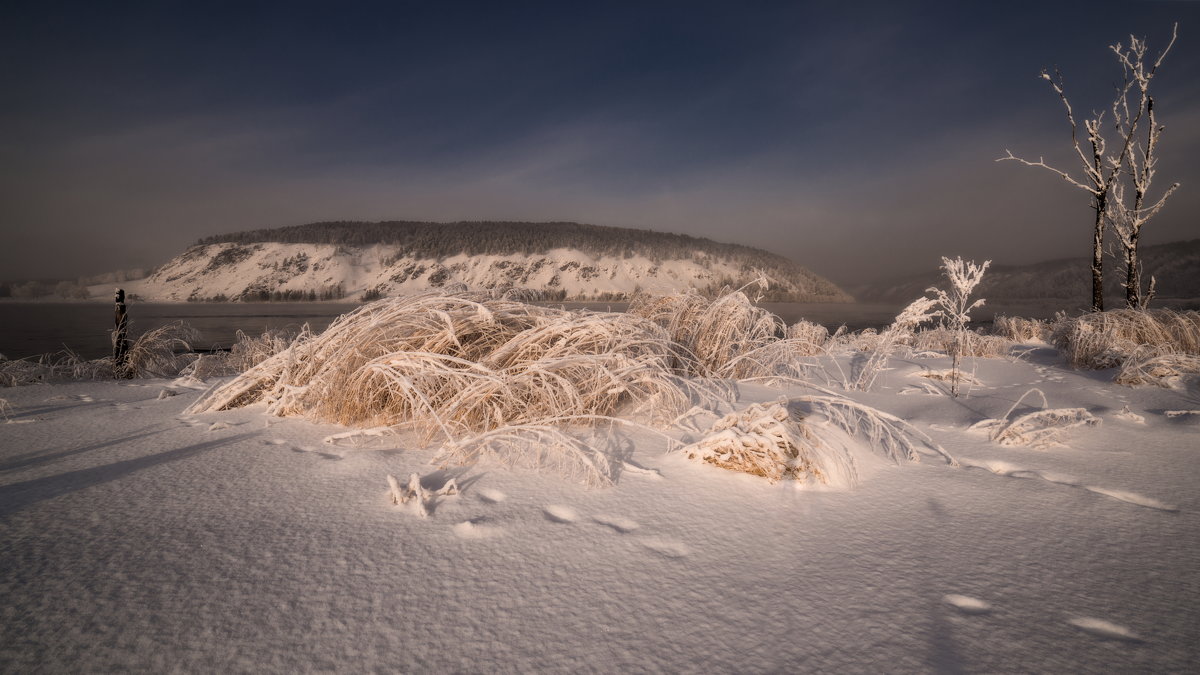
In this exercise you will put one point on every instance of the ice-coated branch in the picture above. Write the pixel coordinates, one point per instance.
(1042, 164)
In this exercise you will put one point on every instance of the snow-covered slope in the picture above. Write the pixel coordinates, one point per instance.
(273, 270)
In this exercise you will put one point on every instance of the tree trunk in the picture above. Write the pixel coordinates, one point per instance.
(121, 337)
(1133, 275)
(1098, 261)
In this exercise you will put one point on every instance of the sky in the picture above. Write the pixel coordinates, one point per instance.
(858, 139)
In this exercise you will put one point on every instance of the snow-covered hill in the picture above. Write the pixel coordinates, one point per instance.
(265, 270)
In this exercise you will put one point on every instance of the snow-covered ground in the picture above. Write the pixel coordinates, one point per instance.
(136, 537)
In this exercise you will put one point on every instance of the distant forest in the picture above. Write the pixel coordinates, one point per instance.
(441, 240)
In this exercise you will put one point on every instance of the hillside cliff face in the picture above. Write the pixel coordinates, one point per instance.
(243, 269)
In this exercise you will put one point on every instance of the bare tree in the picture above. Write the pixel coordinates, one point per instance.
(1100, 170)
(1128, 218)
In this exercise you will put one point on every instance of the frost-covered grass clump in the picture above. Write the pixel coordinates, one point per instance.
(454, 365)
(1106, 339)
(489, 377)
(1040, 428)
(771, 442)
(246, 352)
(162, 352)
(1021, 329)
(730, 337)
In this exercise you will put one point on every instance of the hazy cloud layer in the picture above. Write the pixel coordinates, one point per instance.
(862, 144)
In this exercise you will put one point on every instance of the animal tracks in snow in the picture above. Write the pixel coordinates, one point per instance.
(492, 496)
(561, 514)
(1131, 497)
(1104, 629)
(1002, 468)
(668, 548)
(967, 604)
(319, 453)
(481, 527)
(476, 529)
(622, 525)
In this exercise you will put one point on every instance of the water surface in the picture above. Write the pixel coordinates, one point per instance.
(29, 329)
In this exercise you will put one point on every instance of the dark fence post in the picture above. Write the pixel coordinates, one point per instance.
(121, 337)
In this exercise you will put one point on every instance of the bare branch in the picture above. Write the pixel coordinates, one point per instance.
(1042, 164)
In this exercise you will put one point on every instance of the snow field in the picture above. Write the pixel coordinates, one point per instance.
(138, 537)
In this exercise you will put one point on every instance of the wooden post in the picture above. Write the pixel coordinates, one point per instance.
(121, 336)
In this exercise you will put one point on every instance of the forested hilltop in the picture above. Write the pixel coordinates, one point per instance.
(553, 261)
(417, 243)
(440, 240)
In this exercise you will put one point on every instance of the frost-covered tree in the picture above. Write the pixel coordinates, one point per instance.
(1102, 163)
(1128, 217)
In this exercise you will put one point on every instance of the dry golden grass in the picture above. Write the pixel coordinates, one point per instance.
(490, 377)
(718, 337)
(771, 442)
(975, 343)
(810, 338)
(161, 352)
(451, 366)
(1149, 367)
(1020, 329)
(1040, 428)
(247, 351)
(1106, 339)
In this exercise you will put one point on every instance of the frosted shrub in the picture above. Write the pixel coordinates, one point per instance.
(955, 305)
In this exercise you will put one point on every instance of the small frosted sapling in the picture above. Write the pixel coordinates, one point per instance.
(955, 307)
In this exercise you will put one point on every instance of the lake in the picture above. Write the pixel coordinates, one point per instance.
(29, 329)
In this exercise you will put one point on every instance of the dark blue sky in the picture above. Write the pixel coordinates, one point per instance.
(856, 138)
